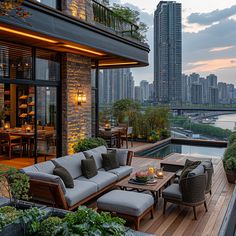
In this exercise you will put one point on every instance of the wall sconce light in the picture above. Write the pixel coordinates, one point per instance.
(81, 97)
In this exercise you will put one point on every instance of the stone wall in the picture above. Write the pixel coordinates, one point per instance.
(81, 9)
(76, 119)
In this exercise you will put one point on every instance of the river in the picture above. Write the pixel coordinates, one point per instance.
(226, 121)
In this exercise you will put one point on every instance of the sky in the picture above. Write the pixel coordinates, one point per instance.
(209, 37)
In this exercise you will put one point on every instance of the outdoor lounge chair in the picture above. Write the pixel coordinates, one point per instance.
(189, 192)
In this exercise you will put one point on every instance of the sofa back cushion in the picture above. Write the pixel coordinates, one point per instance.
(47, 177)
(97, 155)
(72, 163)
(45, 167)
(199, 170)
(122, 155)
(29, 169)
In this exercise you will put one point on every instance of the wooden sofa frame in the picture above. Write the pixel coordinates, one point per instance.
(51, 194)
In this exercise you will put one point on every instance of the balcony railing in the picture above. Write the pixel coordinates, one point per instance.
(110, 19)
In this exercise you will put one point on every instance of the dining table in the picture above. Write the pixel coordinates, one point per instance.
(29, 136)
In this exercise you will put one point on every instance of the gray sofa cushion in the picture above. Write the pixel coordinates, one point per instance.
(45, 167)
(81, 190)
(199, 170)
(47, 177)
(122, 155)
(172, 192)
(97, 154)
(102, 179)
(29, 169)
(72, 163)
(122, 171)
(125, 202)
(207, 164)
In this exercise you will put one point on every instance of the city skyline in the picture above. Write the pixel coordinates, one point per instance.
(209, 29)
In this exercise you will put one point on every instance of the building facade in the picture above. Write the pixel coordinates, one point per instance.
(167, 52)
(46, 64)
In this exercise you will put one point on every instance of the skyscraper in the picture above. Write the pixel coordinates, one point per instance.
(167, 52)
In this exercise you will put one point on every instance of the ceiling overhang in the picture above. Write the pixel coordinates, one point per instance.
(63, 33)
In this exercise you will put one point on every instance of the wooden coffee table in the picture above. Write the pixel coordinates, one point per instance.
(154, 189)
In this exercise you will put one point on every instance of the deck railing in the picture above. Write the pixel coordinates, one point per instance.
(110, 19)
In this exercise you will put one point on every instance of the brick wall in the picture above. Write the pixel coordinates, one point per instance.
(76, 120)
(81, 9)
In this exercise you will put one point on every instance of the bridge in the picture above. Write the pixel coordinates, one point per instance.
(207, 108)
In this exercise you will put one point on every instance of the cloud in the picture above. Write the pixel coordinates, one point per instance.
(211, 17)
(210, 66)
(220, 49)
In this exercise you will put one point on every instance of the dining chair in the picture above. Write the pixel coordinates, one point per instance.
(128, 133)
(10, 141)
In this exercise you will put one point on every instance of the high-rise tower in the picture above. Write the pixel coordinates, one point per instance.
(167, 52)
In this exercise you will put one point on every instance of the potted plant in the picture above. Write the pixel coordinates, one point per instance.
(229, 162)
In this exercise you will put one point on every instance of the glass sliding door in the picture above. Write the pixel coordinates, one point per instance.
(46, 121)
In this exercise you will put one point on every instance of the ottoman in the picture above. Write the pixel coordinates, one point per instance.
(127, 204)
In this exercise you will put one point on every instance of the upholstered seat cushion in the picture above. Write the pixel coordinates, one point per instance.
(172, 192)
(125, 202)
(81, 190)
(121, 172)
(102, 179)
(97, 154)
(72, 163)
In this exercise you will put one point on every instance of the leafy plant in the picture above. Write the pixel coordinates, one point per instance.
(88, 143)
(15, 183)
(84, 222)
(229, 159)
(13, 8)
(132, 16)
(10, 215)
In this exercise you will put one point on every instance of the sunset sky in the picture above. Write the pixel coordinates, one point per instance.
(209, 37)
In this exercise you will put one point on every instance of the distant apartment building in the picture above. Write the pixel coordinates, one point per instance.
(144, 87)
(115, 84)
(151, 92)
(213, 96)
(186, 93)
(196, 93)
(137, 94)
(167, 52)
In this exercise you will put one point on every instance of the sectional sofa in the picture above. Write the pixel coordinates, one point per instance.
(50, 189)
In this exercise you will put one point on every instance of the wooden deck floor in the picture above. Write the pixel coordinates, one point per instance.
(179, 220)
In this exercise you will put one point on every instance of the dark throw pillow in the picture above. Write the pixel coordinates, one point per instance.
(188, 167)
(64, 175)
(110, 161)
(89, 168)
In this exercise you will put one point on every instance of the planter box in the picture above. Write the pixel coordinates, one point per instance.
(231, 176)
(16, 228)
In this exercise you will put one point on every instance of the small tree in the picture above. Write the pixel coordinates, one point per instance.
(125, 110)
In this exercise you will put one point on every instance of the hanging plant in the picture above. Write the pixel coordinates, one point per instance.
(13, 8)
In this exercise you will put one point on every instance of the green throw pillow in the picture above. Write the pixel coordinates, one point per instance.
(110, 161)
(188, 167)
(64, 175)
(89, 168)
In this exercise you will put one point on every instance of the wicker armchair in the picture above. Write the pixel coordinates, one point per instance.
(189, 192)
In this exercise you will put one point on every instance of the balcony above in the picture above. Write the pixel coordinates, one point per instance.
(86, 28)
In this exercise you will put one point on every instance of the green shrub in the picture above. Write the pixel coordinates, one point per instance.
(232, 138)
(84, 222)
(88, 143)
(165, 133)
(230, 157)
